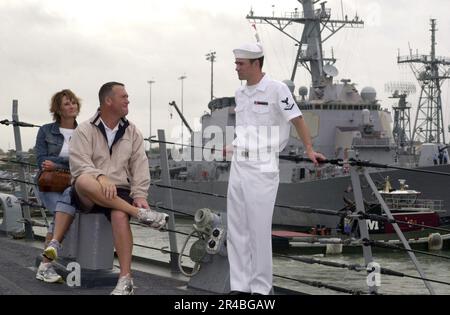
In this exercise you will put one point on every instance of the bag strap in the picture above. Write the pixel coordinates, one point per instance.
(61, 170)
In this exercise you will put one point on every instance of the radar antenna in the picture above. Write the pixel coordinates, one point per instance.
(431, 71)
(402, 112)
(317, 22)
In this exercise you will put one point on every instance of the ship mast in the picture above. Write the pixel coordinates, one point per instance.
(431, 72)
(316, 22)
(402, 112)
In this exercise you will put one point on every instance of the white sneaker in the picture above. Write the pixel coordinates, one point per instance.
(47, 273)
(156, 220)
(124, 286)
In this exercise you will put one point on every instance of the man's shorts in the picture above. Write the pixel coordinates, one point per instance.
(121, 193)
(69, 203)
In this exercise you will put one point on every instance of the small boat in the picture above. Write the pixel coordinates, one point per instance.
(417, 218)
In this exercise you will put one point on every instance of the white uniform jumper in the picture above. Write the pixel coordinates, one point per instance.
(254, 180)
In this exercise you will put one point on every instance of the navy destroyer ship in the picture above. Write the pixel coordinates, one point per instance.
(341, 118)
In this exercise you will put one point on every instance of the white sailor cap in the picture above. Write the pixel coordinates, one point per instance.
(249, 51)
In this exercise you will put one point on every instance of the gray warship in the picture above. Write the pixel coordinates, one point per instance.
(341, 118)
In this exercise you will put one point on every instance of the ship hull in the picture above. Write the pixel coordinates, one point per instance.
(319, 194)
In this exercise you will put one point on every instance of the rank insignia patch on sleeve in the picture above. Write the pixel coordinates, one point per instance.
(288, 107)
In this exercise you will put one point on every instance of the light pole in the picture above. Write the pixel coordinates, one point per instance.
(150, 127)
(182, 105)
(212, 58)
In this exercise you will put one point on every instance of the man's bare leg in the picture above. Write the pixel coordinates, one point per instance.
(90, 193)
(123, 240)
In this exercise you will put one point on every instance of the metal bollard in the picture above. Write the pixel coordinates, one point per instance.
(12, 214)
(95, 242)
(89, 243)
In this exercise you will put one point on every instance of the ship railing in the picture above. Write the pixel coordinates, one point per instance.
(321, 13)
(412, 203)
(412, 57)
(294, 15)
(371, 143)
(420, 58)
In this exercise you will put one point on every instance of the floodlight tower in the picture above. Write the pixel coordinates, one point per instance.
(211, 57)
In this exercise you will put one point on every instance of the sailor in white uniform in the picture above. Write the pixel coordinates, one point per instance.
(264, 110)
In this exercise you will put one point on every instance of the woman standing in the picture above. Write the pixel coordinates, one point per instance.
(52, 150)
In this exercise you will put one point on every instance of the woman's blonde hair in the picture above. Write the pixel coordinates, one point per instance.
(56, 103)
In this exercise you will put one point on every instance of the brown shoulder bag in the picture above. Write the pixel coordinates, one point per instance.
(54, 181)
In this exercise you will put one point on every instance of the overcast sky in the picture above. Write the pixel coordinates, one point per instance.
(49, 45)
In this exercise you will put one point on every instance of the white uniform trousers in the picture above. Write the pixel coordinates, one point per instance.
(250, 204)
